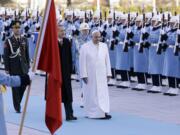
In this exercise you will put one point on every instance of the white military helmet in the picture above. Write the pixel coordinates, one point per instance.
(148, 15)
(124, 16)
(82, 14)
(133, 14)
(110, 16)
(118, 14)
(156, 18)
(96, 14)
(69, 13)
(84, 26)
(174, 19)
(139, 18)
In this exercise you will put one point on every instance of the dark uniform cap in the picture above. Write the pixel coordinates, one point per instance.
(15, 23)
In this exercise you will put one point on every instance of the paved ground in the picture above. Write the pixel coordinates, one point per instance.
(143, 104)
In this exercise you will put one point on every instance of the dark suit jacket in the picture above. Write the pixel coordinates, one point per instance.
(66, 68)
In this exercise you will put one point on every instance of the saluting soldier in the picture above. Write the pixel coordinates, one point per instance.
(16, 58)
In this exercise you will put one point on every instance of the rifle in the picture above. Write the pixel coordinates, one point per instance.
(105, 16)
(85, 16)
(26, 15)
(37, 15)
(141, 44)
(73, 20)
(90, 16)
(160, 44)
(100, 15)
(125, 46)
(177, 45)
(114, 18)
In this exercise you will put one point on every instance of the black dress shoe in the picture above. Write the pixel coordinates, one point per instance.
(18, 111)
(69, 118)
(107, 117)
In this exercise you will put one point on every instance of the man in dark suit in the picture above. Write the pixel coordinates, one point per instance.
(66, 68)
(16, 60)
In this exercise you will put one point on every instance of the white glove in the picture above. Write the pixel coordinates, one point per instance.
(143, 30)
(113, 28)
(178, 31)
(162, 32)
(128, 30)
(31, 75)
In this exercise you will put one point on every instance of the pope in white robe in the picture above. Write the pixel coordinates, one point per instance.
(95, 70)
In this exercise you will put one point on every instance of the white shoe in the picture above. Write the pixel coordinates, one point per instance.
(141, 86)
(168, 91)
(172, 92)
(112, 82)
(125, 84)
(155, 89)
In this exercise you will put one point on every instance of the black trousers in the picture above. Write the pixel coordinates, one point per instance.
(124, 75)
(1, 58)
(17, 94)
(173, 82)
(113, 73)
(156, 80)
(68, 109)
(131, 72)
(178, 81)
(141, 77)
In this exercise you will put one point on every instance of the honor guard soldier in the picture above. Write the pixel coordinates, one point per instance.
(140, 52)
(96, 23)
(123, 60)
(16, 60)
(68, 24)
(156, 57)
(108, 33)
(171, 59)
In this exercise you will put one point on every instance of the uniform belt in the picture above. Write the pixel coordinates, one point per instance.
(120, 42)
(137, 44)
(154, 44)
(171, 46)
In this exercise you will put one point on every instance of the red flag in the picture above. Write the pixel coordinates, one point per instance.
(49, 61)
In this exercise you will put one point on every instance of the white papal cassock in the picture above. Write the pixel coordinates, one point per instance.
(95, 65)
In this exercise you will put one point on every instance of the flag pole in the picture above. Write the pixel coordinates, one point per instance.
(33, 69)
